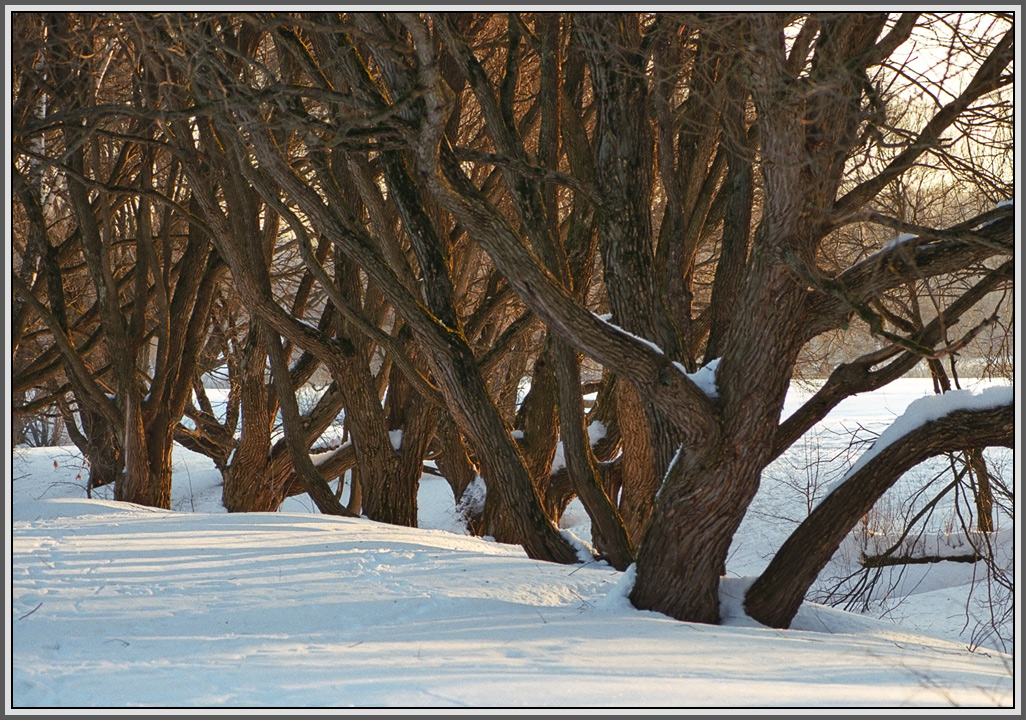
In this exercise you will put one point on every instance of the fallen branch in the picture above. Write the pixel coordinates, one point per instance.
(875, 561)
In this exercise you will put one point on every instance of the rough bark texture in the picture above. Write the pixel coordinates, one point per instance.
(248, 483)
(640, 477)
(456, 187)
(608, 530)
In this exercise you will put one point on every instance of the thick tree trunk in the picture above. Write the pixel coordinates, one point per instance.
(684, 549)
(416, 419)
(248, 483)
(707, 489)
(386, 497)
(146, 479)
(390, 443)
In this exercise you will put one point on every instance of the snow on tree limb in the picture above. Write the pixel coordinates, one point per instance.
(930, 426)
(929, 409)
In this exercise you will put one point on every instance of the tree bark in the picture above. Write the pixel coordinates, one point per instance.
(248, 485)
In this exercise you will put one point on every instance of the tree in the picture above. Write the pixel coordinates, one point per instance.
(114, 196)
(810, 117)
(685, 199)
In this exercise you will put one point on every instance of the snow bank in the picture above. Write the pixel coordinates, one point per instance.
(148, 609)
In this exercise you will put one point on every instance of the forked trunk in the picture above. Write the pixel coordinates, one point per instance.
(708, 489)
(684, 550)
(146, 479)
(248, 478)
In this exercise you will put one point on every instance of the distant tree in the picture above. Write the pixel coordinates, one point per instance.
(105, 221)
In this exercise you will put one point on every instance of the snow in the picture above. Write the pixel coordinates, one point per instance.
(608, 320)
(558, 460)
(319, 458)
(704, 377)
(669, 468)
(118, 605)
(998, 206)
(473, 500)
(899, 240)
(928, 409)
(596, 432)
(893, 243)
(396, 438)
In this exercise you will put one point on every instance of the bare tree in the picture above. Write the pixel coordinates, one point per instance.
(149, 273)
(692, 201)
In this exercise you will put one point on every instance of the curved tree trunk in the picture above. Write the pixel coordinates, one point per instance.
(778, 593)
(295, 434)
(503, 467)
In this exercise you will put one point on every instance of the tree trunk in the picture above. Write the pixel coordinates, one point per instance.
(98, 444)
(684, 549)
(607, 527)
(415, 418)
(983, 494)
(295, 436)
(248, 483)
(146, 479)
(453, 462)
(707, 489)
(778, 593)
(640, 475)
(503, 467)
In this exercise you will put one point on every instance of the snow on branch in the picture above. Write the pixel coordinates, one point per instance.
(928, 409)
(704, 378)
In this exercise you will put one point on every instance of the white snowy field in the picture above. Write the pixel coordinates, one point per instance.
(114, 605)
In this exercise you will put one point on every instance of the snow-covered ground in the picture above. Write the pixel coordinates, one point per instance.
(116, 605)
